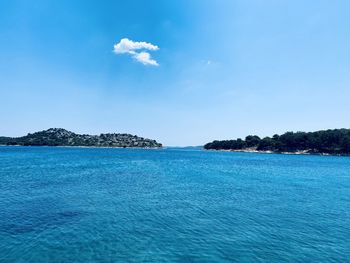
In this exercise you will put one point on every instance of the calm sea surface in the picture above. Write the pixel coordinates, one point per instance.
(116, 205)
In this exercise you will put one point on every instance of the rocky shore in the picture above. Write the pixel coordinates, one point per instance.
(303, 152)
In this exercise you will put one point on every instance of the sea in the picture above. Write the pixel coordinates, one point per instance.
(66, 204)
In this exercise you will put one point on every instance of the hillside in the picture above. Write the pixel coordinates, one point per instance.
(62, 137)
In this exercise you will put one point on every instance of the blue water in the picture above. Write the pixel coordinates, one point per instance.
(135, 205)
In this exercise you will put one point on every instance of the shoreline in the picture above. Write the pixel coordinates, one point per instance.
(305, 152)
(76, 146)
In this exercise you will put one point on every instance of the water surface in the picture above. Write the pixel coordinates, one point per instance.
(135, 205)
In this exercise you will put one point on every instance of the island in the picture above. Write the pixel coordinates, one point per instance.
(62, 137)
(334, 142)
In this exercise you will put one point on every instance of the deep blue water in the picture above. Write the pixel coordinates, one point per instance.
(135, 205)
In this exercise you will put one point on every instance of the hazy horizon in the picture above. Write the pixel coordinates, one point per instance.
(183, 72)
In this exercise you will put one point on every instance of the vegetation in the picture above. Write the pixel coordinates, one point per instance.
(327, 141)
(62, 137)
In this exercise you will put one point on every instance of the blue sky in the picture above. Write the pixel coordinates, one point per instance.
(226, 68)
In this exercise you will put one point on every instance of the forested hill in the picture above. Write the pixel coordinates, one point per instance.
(326, 141)
(62, 137)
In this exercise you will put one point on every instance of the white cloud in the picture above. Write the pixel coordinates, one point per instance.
(145, 58)
(127, 46)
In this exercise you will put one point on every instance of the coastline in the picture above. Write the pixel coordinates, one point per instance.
(305, 152)
(78, 146)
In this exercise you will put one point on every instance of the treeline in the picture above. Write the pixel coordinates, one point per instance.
(327, 141)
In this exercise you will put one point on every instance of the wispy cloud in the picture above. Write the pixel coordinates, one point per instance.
(137, 50)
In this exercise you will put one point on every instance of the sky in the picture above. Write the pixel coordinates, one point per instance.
(182, 72)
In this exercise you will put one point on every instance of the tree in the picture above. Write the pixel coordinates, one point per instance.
(252, 140)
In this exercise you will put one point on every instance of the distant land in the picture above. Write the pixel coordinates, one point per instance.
(62, 137)
(335, 142)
